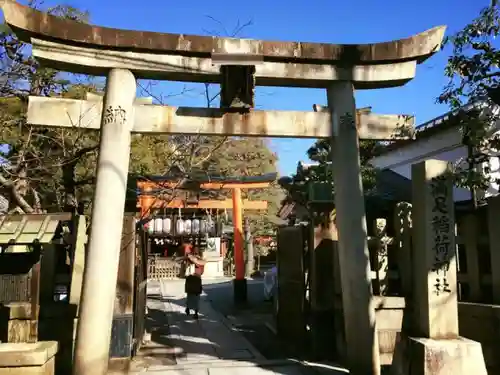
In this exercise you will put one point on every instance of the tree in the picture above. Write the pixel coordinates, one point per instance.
(474, 75)
(251, 157)
(321, 171)
(53, 170)
(39, 165)
(237, 156)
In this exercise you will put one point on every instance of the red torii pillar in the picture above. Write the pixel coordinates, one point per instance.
(240, 283)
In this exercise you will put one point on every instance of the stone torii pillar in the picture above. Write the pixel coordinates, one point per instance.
(359, 314)
(101, 264)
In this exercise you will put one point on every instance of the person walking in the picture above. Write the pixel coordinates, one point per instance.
(193, 285)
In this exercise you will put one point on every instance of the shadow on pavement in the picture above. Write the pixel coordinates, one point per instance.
(222, 332)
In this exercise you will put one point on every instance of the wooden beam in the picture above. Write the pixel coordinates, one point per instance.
(156, 119)
(205, 185)
(207, 204)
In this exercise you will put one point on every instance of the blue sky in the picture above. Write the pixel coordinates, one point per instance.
(330, 21)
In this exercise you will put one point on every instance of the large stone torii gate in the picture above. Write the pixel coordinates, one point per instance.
(238, 65)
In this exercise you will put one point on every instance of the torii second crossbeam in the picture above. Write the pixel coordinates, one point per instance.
(86, 114)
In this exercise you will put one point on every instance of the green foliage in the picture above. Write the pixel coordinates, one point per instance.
(53, 169)
(473, 65)
(251, 157)
(473, 73)
(321, 171)
(41, 168)
(69, 12)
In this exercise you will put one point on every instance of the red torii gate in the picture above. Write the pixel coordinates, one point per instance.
(149, 197)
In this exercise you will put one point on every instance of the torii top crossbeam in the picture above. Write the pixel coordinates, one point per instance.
(151, 189)
(35, 23)
(298, 62)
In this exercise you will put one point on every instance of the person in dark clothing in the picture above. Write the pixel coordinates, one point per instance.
(193, 285)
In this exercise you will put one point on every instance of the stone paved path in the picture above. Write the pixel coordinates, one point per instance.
(210, 338)
(210, 345)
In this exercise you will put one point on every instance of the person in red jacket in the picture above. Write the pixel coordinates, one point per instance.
(193, 285)
(183, 251)
(187, 248)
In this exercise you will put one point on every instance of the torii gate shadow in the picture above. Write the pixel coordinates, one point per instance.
(213, 338)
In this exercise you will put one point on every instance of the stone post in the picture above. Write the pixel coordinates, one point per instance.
(78, 261)
(250, 264)
(403, 228)
(494, 240)
(382, 259)
(326, 322)
(434, 263)
(361, 340)
(47, 273)
(101, 264)
(437, 347)
(470, 235)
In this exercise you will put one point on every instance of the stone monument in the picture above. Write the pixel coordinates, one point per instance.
(434, 346)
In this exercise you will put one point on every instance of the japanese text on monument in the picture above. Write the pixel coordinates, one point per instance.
(115, 115)
(442, 232)
(347, 120)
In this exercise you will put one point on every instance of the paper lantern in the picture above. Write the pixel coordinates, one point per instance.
(187, 226)
(195, 226)
(167, 225)
(179, 227)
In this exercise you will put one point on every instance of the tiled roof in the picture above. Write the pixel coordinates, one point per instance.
(391, 186)
(441, 120)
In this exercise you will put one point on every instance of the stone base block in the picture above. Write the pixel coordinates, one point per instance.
(18, 310)
(214, 267)
(28, 359)
(240, 291)
(420, 356)
(48, 368)
(22, 331)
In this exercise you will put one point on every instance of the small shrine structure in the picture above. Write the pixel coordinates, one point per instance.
(178, 209)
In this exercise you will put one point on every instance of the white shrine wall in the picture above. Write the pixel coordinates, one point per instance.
(443, 145)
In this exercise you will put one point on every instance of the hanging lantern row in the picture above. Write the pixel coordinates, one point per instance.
(182, 227)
